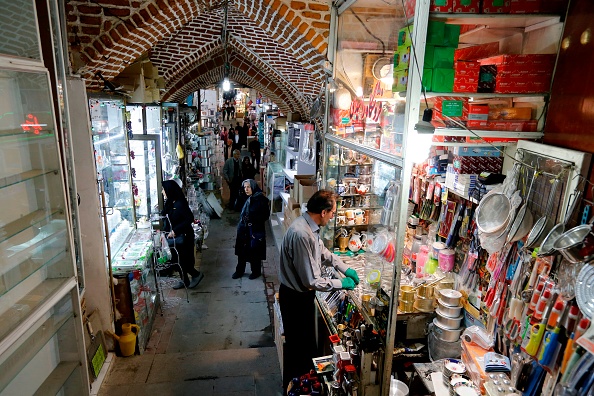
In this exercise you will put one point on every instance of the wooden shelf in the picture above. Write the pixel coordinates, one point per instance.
(24, 176)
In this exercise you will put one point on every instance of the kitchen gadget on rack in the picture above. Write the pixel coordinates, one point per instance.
(543, 225)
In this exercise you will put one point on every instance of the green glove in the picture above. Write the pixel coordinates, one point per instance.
(348, 283)
(351, 273)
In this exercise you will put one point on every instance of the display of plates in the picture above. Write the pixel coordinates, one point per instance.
(584, 290)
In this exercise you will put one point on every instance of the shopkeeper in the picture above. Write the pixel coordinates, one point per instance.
(301, 258)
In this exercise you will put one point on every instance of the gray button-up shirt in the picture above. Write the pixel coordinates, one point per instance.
(302, 255)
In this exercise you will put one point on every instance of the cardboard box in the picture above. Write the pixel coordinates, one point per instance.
(292, 204)
(404, 39)
(504, 125)
(429, 52)
(465, 87)
(525, 59)
(476, 165)
(443, 80)
(525, 6)
(477, 52)
(467, 68)
(478, 112)
(510, 113)
(402, 58)
(435, 32)
(400, 80)
(496, 7)
(427, 79)
(465, 80)
(306, 189)
(467, 6)
(451, 37)
(441, 6)
(486, 151)
(295, 190)
(451, 106)
(443, 57)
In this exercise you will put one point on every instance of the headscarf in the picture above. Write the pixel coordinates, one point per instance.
(256, 190)
(173, 192)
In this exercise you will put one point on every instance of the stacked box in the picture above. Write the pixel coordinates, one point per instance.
(461, 184)
(476, 52)
(466, 76)
(496, 7)
(445, 6)
(455, 108)
(402, 57)
(467, 6)
(479, 151)
(442, 40)
(504, 125)
(476, 165)
(529, 73)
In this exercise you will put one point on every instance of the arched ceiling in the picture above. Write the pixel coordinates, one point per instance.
(277, 47)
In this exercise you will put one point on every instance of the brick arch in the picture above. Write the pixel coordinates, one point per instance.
(111, 37)
(211, 72)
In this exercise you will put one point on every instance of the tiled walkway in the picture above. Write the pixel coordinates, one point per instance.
(220, 343)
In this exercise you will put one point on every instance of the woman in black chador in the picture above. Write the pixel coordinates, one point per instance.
(250, 244)
(179, 232)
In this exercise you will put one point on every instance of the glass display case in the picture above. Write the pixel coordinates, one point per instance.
(113, 168)
(145, 162)
(169, 128)
(41, 339)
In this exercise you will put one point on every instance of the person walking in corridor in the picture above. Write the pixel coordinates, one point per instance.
(233, 177)
(180, 234)
(250, 242)
(302, 256)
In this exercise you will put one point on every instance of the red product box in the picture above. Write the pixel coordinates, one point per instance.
(467, 67)
(476, 140)
(525, 6)
(477, 52)
(478, 112)
(446, 6)
(462, 87)
(502, 125)
(466, 79)
(526, 59)
(528, 87)
(496, 7)
(476, 165)
(527, 68)
(467, 6)
(409, 6)
(451, 102)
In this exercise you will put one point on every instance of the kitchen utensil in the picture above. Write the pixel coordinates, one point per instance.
(543, 225)
(447, 322)
(206, 169)
(493, 213)
(444, 333)
(547, 247)
(524, 219)
(584, 290)
(450, 297)
(570, 242)
(407, 293)
(446, 310)
(204, 161)
(424, 304)
(426, 291)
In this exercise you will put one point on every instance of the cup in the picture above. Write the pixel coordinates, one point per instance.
(446, 260)
(350, 213)
(353, 188)
(351, 221)
(359, 220)
(340, 220)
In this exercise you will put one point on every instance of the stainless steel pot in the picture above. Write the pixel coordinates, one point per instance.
(204, 161)
(570, 243)
(204, 147)
(444, 333)
(450, 297)
(205, 153)
(446, 310)
(203, 141)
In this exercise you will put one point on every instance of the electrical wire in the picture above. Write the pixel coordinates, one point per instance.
(369, 31)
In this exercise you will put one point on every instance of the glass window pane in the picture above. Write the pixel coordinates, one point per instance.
(18, 29)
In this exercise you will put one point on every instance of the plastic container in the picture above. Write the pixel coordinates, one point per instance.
(431, 265)
(437, 247)
(446, 260)
(422, 258)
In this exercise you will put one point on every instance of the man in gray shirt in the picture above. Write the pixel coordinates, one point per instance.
(301, 258)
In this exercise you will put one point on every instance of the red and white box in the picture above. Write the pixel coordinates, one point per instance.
(467, 6)
(476, 165)
(477, 52)
(503, 125)
(465, 68)
(465, 87)
(496, 7)
(438, 109)
(478, 112)
(445, 6)
(517, 60)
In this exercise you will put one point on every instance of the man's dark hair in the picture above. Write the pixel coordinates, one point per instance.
(321, 200)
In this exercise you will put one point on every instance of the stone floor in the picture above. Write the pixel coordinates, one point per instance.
(221, 342)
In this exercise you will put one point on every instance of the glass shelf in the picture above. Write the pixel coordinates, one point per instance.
(42, 134)
(27, 222)
(24, 176)
(496, 21)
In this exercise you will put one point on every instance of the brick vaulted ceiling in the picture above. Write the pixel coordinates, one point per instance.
(275, 46)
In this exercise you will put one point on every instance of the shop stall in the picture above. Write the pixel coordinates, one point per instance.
(470, 240)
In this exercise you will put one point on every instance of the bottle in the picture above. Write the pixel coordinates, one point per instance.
(422, 257)
(572, 317)
(554, 316)
(535, 296)
(542, 304)
(581, 328)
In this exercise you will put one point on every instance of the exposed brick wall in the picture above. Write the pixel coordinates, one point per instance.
(281, 41)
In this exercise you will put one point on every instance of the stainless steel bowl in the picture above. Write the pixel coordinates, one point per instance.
(493, 213)
(570, 243)
(204, 161)
(444, 333)
(450, 297)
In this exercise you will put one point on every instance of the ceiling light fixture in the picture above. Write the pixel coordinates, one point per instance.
(226, 84)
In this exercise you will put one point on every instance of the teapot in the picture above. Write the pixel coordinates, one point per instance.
(362, 189)
(355, 243)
